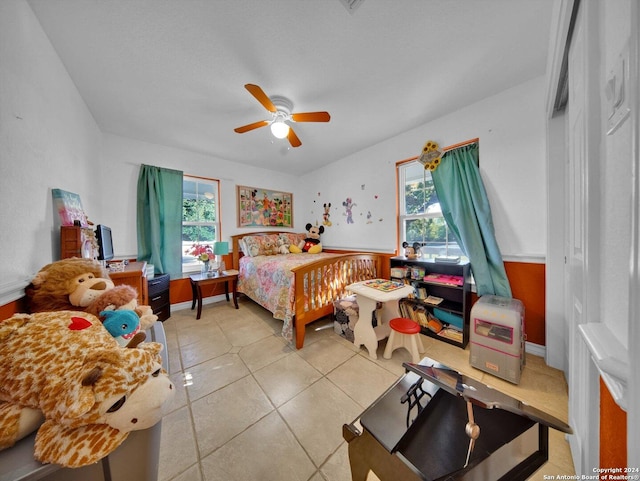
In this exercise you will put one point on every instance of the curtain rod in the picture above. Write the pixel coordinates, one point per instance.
(461, 144)
(446, 149)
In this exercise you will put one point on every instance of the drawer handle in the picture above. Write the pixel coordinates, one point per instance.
(156, 298)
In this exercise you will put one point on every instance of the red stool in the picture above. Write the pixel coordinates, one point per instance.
(404, 333)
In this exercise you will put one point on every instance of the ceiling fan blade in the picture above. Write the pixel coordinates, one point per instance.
(311, 117)
(259, 94)
(293, 138)
(247, 128)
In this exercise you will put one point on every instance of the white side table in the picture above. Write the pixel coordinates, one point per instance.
(367, 297)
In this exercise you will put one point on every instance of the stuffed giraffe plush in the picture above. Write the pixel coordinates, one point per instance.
(65, 367)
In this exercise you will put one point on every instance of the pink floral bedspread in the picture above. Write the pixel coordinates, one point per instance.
(268, 280)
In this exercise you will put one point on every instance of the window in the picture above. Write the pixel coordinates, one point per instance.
(420, 218)
(200, 217)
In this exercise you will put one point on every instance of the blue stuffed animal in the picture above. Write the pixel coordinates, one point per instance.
(122, 325)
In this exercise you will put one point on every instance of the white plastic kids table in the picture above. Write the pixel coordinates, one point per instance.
(367, 297)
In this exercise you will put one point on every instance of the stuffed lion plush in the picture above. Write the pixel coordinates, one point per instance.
(64, 367)
(67, 284)
(83, 284)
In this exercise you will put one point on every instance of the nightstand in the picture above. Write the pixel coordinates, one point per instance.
(229, 278)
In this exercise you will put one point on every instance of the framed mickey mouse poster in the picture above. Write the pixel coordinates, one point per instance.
(264, 208)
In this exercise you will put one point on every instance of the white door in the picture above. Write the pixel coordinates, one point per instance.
(582, 241)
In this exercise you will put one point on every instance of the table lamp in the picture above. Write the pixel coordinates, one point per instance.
(220, 249)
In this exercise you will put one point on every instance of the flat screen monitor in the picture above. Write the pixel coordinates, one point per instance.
(105, 243)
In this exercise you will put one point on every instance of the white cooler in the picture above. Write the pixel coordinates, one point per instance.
(497, 337)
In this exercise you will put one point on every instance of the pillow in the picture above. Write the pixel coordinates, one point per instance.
(242, 247)
(292, 238)
(260, 245)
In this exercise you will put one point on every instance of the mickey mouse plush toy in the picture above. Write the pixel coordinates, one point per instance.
(411, 251)
(312, 243)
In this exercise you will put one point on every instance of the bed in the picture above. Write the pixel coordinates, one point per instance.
(296, 288)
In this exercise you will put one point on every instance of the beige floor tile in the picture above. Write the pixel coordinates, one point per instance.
(267, 451)
(549, 470)
(393, 365)
(197, 333)
(244, 331)
(316, 417)
(362, 380)
(286, 377)
(545, 392)
(191, 474)
(186, 319)
(232, 388)
(209, 346)
(212, 375)
(227, 412)
(341, 340)
(173, 346)
(325, 354)
(175, 364)
(177, 445)
(179, 399)
(320, 329)
(264, 351)
(560, 453)
(171, 333)
(337, 466)
(318, 477)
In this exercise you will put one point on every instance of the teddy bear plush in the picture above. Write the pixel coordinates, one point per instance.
(281, 244)
(82, 284)
(311, 243)
(90, 391)
(269, 247)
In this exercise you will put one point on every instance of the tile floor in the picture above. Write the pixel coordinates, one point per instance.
(249, 406)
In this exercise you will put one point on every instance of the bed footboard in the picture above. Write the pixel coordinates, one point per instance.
(317, 285)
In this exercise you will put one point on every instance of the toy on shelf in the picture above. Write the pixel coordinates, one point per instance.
(412, 251)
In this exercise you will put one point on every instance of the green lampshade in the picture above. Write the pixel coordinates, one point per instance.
(221, 248)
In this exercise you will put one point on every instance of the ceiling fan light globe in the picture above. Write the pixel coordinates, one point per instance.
(279, 130)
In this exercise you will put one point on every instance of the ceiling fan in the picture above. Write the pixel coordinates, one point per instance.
(280, 109)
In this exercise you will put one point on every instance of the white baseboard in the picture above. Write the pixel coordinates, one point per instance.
(205, 301)
(535, 349)
(12, 291)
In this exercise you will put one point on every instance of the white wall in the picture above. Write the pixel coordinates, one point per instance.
(511, 129)
(48, 139)
(615, 182)
(122, 158)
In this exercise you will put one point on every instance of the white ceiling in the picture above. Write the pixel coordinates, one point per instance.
(172, 72)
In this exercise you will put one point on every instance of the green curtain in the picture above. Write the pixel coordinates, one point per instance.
(466, 209)
(160, 219)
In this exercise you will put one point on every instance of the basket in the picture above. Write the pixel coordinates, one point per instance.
(399, 272)
(417, 273)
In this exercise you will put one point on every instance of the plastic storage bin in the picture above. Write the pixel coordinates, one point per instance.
(497, 337)
(345, 316)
